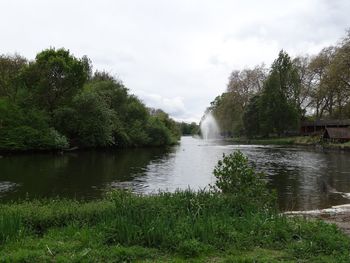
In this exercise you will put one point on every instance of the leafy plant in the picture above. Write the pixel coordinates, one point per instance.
(234, 176)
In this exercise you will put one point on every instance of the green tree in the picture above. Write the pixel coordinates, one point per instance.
(169, 123)
(229, 107)
(188, 128)
(228, 112)
(54, 78)
(339, 78)
(158, 133)
(280, 98)
(236, 177)
(27, 129)
(247, 82)
(322, 94)
(251, 117)
(277, 114)
(93, 121)
(60, 95)
(289, 80)
(10, 71)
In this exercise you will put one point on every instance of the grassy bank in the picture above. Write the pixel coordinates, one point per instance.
(235, 221)
(339, 146)
(296, 140)
(174, 227)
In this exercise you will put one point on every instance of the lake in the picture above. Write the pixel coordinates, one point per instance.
(304, 178)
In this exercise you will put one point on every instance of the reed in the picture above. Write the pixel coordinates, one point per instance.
(10, 226)
(183, 224)
(236, 220)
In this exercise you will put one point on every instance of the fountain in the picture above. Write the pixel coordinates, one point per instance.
(209, 127)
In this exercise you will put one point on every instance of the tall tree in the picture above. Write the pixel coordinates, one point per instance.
(339, 77)
(277, 114)
(10, 70)
(228, 112)
(252, 118)
(55, 77)
(279, 103)
(322, 94)
(307, 84)
(247, 82)
(229, 107)
(289, 81)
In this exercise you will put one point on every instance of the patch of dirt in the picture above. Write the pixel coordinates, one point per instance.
(339, 215)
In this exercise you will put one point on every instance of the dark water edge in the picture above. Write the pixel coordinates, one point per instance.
(112, 149)
(304, 178)
(82, 174)
(292, 141)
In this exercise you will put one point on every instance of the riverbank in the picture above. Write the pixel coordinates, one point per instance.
(5, 153)
(296, 140)
(338, 215)
(174, 227)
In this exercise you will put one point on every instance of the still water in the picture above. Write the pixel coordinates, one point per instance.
(304, 178)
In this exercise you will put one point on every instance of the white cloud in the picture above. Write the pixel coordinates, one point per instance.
(174, 106)
(182, 51)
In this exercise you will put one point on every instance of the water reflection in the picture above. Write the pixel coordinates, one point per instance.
(304, 178)
(81, 175)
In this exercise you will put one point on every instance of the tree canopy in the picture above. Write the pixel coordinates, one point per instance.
(265, 102)
(56, 102)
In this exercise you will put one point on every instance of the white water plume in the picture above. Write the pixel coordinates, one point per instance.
(209, 127)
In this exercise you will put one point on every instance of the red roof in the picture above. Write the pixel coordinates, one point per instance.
(337, 133)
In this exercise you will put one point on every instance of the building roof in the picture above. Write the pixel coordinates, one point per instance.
(344, 122)
(338, 133)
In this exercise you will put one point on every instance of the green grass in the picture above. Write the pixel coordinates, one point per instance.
(296, 140)
(168, 227)
(339, 146)
(10, 225)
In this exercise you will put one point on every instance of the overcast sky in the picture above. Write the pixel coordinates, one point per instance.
(175, 55)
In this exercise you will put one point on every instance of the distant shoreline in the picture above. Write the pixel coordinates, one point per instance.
(7, 152)
(296, 141)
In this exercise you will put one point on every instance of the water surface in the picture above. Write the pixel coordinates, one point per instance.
(304, 178)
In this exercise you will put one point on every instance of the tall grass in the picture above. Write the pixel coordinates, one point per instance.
(40, 215)
(10, 226)
(128, 227)
(167, 219)
(185, 222)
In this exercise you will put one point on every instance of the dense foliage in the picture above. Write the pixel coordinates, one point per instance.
(188, 128)
(184, 226)
(55, 102)
(234, 176)
(264, 102)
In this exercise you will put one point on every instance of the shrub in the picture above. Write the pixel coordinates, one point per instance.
(94, 120)
(236, 177)
(158, 132)
(27, 129)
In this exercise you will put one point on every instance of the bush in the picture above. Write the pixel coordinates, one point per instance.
(94, 121)
(137, 134)
(158, 133)
(55, 101)
(27, 129)
(236, 177)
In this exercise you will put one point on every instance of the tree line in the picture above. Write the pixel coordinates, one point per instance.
(262, 101)
(189, 128)
(56, 101)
